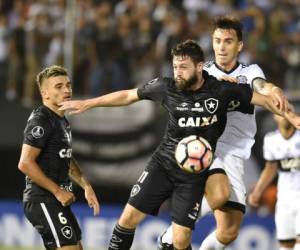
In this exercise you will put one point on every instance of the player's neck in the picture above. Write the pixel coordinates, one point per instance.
(54, 108)
(197, 85)
(287, 132)
(226, 66)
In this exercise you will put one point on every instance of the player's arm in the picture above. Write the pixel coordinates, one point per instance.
(266, 88)
(266, 177)
(267, 103)
(118, 98)
(29, 167)
(76, 174)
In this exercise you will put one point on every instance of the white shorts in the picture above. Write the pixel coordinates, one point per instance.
(234, 168)
(287, 218)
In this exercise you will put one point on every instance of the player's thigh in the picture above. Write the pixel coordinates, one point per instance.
(56, 224)
(152, 188)
(285, 220)
(234, 167)
(131, 217)
(217, 189)
(228, 221)
(186, 203)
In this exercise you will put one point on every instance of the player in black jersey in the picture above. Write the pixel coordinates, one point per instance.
(46, 160)
(196, 104)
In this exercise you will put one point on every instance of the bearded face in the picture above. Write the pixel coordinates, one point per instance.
(183, 84)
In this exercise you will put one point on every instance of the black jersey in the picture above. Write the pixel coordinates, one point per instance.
(202, 112)
(51, 133)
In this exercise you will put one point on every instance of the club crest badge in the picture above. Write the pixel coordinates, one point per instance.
(67, 232)
(211, 105)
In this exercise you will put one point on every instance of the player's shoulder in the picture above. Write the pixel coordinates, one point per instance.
(252, 67)
(41, 114)
(211, 79)
(161, 81)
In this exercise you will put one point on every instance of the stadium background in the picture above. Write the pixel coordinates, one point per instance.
(114, 45)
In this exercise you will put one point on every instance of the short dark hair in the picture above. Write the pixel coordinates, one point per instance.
(227, 23)
(189, 48)
(54, 70)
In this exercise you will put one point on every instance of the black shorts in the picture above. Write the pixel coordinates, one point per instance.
(56, 224)
(157, 184)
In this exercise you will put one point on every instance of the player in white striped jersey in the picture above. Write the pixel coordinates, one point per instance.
(282, 154)
(227, 198)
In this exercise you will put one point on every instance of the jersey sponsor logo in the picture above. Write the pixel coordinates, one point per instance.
(135, 190)
(242, 79)
(211, 105)
(67, 232)
(65, 153)
(182, 106)
(185, 122)
(37, 132)
(198, 107)
(292, 164)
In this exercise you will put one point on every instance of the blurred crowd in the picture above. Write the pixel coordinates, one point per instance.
(120, 44)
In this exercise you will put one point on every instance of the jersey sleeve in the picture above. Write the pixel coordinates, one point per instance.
(241, 93)
(153, 90)
(37, 131)
(255, 72)
(267, 146)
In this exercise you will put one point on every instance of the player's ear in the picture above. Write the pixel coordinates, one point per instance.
(241, 45)
(199, 67)
(44, 92)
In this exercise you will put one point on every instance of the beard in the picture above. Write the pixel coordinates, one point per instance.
(183, 84)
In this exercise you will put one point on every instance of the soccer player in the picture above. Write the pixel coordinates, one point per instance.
(162, 179)
(228, 202)
(282, 155)
(46, 160)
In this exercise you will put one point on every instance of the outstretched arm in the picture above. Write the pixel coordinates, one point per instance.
(119, 98)
(264, 181)
(76, 174)
(267, 103)
(266, 88)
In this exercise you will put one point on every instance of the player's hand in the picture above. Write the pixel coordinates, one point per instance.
(64, 197)
(279, 99)
(228, 79)
(74, 107)
(254, 199)
(293, 118)
(92, 200)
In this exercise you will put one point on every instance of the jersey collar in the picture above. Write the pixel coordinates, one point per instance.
(229, 71)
